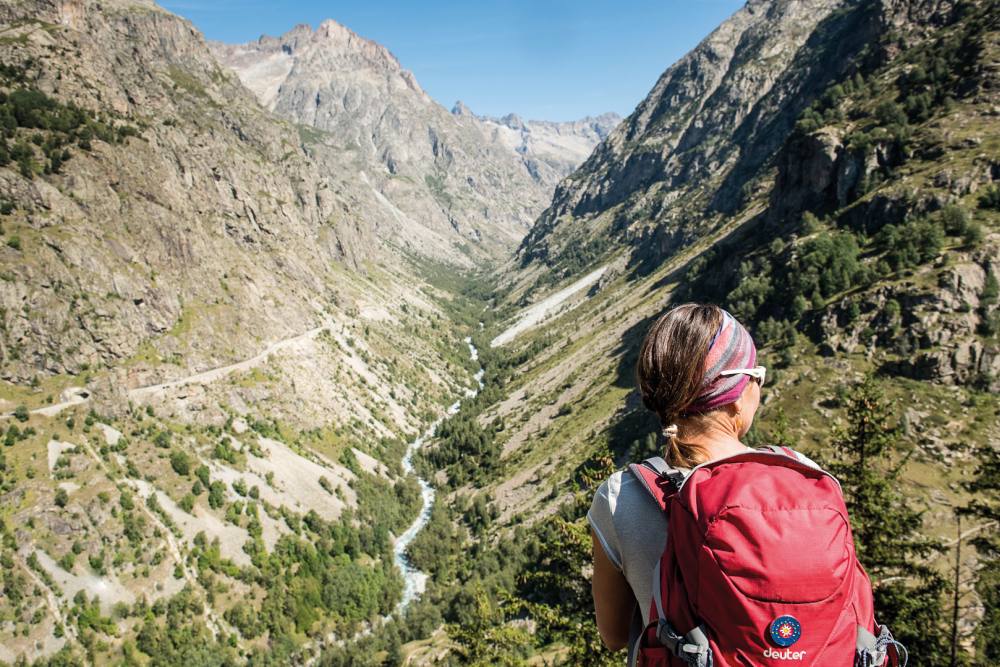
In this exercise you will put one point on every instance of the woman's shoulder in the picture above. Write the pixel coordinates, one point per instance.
(626, 520)
(622, 492)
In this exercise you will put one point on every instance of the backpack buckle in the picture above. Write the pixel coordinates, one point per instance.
(676, 479)
(693, 648)
(665, 471)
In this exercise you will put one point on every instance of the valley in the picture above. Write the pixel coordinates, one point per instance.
(298, 366)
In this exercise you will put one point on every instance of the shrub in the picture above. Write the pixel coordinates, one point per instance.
(990, 198)
(991, 290)
(954, 219)
(973, 234)
(889, 114)
(180, 462)
(202, 473)
(216, 495)
(911, 243)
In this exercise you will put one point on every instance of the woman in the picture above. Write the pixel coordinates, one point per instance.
(697, 372)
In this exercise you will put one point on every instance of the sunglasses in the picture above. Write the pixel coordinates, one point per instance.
(758, 373)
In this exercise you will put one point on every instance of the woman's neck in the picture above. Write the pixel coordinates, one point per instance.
(715, 440)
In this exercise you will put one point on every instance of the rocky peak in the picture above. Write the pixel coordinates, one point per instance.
(513, 121)
(334, 38)
(331, 51)
(459, 109)
(468, 178)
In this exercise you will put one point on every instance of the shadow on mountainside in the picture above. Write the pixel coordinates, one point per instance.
(633, 434)
(823, 60)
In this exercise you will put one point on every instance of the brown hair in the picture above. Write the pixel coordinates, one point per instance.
(670, 369)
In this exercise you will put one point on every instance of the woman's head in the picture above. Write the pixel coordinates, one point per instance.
(682, 376)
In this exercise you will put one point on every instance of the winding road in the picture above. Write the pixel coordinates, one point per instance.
(211, 375)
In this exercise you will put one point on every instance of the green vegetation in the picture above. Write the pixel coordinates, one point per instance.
(990, 199)
(37, 131)
(180, 462)
(174, 633)
(467, 451)
(909, 593)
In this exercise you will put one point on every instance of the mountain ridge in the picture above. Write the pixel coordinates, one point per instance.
(454, 173)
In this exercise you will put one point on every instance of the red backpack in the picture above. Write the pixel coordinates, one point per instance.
(759, 569)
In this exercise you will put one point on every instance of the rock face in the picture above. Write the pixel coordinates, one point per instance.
(149, 228)
(218, 218)
(709, 127)
(550, 151)
(453, 174)
(933, 330)
(796, 106)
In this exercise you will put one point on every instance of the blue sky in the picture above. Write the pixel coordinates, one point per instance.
(542, 59)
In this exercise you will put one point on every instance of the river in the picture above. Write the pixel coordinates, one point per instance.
(414, 581)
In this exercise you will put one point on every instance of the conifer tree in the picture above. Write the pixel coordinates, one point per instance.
(986, 508)
(554, 591)
(909, 593)
(485, 639)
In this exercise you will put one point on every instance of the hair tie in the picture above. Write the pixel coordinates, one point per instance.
(670, 431)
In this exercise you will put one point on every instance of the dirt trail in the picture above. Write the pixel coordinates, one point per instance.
(78, 395)
(71, 396)
(533, 315)
(211, 375)
(51, 601)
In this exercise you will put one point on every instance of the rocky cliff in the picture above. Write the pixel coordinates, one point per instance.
(129, 235)
(476, 183)
(709, 130)
(550, 150)
(770, 117)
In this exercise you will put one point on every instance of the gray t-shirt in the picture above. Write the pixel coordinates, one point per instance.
(633, 532)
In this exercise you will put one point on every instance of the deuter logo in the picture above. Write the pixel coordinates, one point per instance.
(787, 654)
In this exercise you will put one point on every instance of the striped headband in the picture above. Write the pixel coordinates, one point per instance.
(731, 348)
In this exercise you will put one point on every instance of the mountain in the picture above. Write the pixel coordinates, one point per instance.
(691, 154)
(771, 83)
(451, 174)
(550, 150)
(228, 312)
(214, 346)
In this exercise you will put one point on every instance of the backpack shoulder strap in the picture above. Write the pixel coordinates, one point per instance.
(660, 479)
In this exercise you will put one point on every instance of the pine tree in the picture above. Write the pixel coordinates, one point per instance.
(986, 508)
(484, 639)
(553, 590)
(909, 593)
